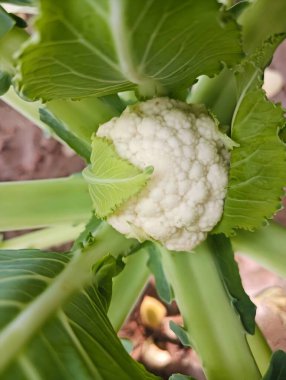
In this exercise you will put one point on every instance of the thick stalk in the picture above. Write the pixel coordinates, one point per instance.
(213, 325)
(127, 287)
(266, 246)
(77, 274)
(41, 203)
(45, 238)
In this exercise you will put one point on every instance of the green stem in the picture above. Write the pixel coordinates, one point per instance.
(45, 238)
(266, 246)
(77, 274)
(127, 287)
(28, 109)
(213, 325)
(42, 203)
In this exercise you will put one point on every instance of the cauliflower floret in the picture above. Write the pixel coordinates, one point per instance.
(183, 199)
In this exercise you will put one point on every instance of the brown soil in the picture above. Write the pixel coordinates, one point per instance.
(26, 153)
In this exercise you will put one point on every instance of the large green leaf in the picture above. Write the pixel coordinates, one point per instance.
(43, 337)
(258, 165)
(103, 47)
(112, 180)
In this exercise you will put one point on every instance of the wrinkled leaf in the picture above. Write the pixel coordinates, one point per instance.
(229, 272)
(76, 342)
(109, 46)
(112, 180)
(277, 367)
(258, 166)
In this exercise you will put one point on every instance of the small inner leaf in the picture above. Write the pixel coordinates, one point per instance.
(112, 180)
(229, 272)
(181, 334)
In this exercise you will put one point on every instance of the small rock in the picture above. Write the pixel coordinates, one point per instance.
(273, 82)
(154, 356)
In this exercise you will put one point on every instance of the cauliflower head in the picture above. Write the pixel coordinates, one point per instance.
(184, 198)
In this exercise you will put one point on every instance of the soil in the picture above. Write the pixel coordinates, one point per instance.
(27, 153)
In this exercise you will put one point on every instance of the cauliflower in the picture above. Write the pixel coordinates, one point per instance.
(184, 198)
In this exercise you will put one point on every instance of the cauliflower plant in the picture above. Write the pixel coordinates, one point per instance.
(183, 199)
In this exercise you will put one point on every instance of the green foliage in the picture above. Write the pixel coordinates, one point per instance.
(53, 306)
(228, 269)
(103, 47)
(79, 325)
(6, 22)
(105, 269)
(87, 235)
(111, 179)
(277, 368)
(11, 38)
(258, 166)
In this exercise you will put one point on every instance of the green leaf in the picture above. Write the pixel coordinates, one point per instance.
(181, 334)
(52, 327)
(154, 263)
(258, 166)
(105, 269)
(277, 368)
(261, 20)
(87, 236)
(5, 82)
(229, 272)
(6, 22)
(112, 180)
(110, 46)
(10, 40)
